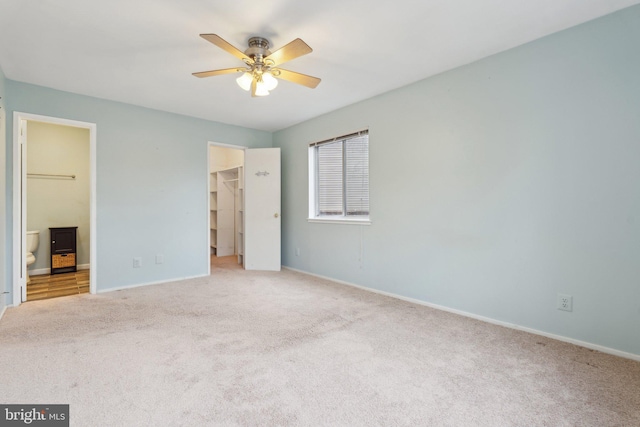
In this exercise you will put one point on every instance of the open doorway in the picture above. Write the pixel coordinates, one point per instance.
(226, 201)
(57, 188)
(54, 207)
(244, 206)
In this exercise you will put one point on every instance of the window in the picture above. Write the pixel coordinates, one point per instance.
(339, 178)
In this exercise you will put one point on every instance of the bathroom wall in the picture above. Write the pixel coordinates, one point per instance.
(58, 202)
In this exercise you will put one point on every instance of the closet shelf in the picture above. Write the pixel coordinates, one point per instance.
(226, 200)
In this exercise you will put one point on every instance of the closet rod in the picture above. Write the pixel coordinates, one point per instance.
(51, 175)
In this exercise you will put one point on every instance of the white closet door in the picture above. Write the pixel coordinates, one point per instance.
(262, 209)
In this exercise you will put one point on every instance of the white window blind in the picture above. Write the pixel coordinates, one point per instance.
(357, 174)
(342, 176)
(330, 178)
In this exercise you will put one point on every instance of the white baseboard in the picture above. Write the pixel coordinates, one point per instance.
(2, 311)
(41, 271)
(585, 344)
(138, 285)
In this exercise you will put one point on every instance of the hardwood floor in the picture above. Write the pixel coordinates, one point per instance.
(225, 262)
(58, 285)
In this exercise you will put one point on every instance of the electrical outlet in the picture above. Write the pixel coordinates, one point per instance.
(159, 259)
(137, 262)
(297, 251)
(565, 302)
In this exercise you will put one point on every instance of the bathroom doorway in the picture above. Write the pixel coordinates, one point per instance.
(54, 192)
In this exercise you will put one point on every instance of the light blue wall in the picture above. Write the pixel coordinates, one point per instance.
(151, 182)
(4, 300)
(496, 186)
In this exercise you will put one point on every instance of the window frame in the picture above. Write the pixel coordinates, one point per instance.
(314, 179)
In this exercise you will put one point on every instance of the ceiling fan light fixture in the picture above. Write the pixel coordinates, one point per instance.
(261, 88)
(261, 73)
(244, 81)
(269, 81)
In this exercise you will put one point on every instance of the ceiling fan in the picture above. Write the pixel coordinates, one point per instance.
(262, 66)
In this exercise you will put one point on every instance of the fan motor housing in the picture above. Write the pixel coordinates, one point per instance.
(258, 48)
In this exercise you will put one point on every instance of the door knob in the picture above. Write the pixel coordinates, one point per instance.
(275, 215)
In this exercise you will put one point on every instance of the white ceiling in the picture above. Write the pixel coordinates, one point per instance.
(143, 52)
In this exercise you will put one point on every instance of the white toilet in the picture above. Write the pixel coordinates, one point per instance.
(33, 238)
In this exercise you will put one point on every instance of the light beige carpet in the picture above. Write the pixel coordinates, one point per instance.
(250, 348)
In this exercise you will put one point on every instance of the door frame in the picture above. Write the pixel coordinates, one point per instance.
(20, 198)
(209, 145)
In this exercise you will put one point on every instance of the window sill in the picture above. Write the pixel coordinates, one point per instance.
(341, 220)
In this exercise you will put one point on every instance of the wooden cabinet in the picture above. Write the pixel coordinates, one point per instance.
(63, 249)
(225, 211)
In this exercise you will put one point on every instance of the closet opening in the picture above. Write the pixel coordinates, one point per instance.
(226, 206)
